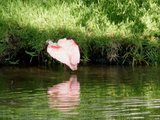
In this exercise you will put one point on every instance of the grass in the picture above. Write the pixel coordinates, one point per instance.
(113, 32)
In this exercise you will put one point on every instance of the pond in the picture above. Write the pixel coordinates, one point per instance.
(93, 92)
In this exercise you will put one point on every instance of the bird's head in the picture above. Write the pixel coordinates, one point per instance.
(48, 42)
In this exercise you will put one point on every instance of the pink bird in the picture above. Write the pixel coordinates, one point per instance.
(65, 51)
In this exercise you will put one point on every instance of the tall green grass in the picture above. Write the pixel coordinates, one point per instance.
(108, 31)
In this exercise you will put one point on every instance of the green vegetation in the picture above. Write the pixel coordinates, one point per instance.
(108, 31)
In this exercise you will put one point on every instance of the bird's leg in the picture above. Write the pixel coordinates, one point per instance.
(73, 72)
(65, 67)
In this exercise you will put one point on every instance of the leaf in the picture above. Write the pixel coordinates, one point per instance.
(14, 62)
(32, 54)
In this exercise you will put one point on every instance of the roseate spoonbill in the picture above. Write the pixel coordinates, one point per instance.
(66, 51)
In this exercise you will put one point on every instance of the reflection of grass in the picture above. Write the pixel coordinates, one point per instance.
(28, 24)
(122, 90)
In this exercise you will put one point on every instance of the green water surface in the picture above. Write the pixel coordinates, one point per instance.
(93, 92)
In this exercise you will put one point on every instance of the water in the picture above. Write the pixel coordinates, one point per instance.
(94, 92)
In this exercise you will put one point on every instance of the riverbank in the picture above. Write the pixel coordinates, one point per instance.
(108, 32)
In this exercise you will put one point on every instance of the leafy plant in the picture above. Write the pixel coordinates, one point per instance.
(32, 54)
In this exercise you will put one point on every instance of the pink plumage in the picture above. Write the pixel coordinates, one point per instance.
(66, 51)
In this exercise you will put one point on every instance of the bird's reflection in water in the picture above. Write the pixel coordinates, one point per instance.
(65, 96)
